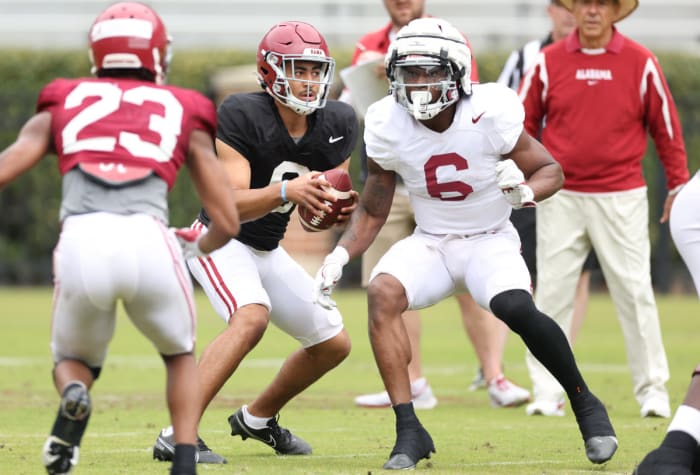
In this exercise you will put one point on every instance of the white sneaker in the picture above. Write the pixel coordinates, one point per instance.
(503, 393)
(656, 407)
(423, 397)
(545, 408)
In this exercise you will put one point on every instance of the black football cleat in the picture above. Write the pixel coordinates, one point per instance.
(164, 449)
(275, 436)
(666, 461)
(411, 446)
(59, 456)
(61, 449)
(596, 429)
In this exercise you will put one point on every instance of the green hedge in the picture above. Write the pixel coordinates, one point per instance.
(29, 206)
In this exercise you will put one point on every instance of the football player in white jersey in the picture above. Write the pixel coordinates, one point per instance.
(466, 161)
(679, 452)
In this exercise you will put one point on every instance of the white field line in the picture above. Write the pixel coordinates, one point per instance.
(152, 361)
(461, 466)
(122, 449)
(132, 361)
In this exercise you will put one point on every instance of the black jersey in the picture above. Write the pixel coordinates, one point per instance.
(251, 124)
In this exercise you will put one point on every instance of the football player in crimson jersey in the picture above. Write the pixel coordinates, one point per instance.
(120, 140)
(273, 145)
(466, 161)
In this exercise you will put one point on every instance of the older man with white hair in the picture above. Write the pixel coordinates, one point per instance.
(602, 94)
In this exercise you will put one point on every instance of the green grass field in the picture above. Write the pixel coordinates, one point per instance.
(470, 435)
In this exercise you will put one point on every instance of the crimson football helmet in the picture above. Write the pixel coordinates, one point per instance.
(130, 35)
(281, 46)
(436, 52)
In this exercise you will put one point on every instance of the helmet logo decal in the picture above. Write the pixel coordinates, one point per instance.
(273, 59)
(121, 27)
(314, 52)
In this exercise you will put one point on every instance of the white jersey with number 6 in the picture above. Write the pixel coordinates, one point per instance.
(450, 176)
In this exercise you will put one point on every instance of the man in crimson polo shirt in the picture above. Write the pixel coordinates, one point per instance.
(600, 95)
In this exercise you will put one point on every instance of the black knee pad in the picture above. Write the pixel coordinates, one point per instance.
(95, 370)
(514, 307)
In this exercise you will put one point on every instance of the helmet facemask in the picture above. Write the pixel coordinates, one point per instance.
(424, 85)
(440, 51)
(294, 68)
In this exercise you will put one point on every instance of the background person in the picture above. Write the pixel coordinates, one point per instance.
(517, 64)
(120, 139)
(487, 334)
(602, 94)
(273, 145)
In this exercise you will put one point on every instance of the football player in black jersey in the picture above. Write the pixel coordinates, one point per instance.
(273, 145)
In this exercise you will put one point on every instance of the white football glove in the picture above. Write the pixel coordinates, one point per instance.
(511, 181)
(189, 241)
(328, 276)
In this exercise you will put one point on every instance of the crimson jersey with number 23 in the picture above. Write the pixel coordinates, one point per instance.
(124, 130)
(450, 176)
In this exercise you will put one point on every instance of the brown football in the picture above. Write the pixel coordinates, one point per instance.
(341, 186)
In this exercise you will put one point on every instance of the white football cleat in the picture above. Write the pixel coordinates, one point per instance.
(504, 393)
(545, 408)
(423, 397)
(656, 406)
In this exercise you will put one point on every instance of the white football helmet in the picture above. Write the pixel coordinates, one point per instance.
(428, 55)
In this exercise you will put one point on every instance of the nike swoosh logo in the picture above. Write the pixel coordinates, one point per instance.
(270, 441)
(332, 139)
(477, 118)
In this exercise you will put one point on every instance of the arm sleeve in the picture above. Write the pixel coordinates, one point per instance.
(232, 122)
(205, 116)
(664, 125)
(507, 120)
(532, 92)
(49, 96)
(378, 146)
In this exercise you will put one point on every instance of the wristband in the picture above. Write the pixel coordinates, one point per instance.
(283, 191)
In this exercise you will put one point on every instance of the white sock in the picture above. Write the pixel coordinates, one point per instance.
(687, 419)
(254, 421)
(418, 386)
